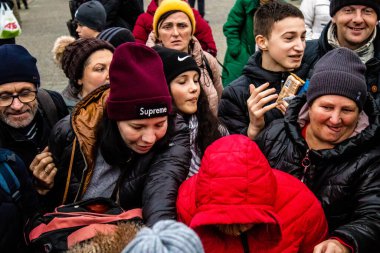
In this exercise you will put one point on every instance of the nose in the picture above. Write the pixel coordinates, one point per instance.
(335, 117)
(16, 104)
(78, 29)
(149, 136)
(175, 31)
(193, 87)
(358, 18)
(300, 45)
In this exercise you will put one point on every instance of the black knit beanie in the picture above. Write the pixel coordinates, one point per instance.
(175, 62)
(336, 5)
(92, 14)
(18, 65)
(339, 72)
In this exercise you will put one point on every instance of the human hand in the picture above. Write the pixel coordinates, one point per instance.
(331, 246)
(44, 170)
(257, 107)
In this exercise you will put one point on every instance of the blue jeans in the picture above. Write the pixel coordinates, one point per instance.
(201, 6)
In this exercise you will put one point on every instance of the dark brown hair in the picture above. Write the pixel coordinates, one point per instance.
(270, 13)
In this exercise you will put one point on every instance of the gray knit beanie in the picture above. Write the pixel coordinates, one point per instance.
(339, 72)
(92, 14)
(165, 236)
(336, 5)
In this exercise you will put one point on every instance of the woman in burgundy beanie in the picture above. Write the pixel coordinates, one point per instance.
(129, 148)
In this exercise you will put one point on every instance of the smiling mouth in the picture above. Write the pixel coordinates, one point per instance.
(356, 29)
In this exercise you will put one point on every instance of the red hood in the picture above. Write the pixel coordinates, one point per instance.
(235, 184)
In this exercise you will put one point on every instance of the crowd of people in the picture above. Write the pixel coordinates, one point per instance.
(278, 151)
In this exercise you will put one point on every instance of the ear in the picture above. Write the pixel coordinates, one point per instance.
(333, 19)
(80, 82)
(261, 42)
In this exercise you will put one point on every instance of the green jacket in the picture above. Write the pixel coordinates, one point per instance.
(238, 31)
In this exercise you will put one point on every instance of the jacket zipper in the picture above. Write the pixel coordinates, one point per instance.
(305, 164)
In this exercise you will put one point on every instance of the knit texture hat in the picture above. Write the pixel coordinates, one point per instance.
(336, 5)
(76, 53)
(173, 5)
(138, 84)
(166, 236)
(92, 14)
(117, 36)
(339, 72)
(175, 62)
(17, 65)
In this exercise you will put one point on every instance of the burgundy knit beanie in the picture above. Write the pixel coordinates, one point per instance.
(339, 72)
(76, 54)
(336, 5)
(138, 85)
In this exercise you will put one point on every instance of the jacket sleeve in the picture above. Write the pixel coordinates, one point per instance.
(307, 8)
(233, 112)
(233, 27)
(362, 232)
(203, 33)
(139, 31)
(167, 172)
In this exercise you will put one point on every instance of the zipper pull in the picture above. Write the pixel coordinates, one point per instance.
(305, 164)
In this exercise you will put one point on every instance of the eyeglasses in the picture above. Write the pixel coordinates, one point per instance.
(24, 97)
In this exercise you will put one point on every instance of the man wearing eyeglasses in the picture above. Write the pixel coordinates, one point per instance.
(24, 124)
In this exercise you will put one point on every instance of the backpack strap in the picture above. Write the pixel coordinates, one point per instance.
(9, 182)
(48, 106)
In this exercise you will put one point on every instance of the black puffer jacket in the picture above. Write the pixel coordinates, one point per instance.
(233, 111)
(320, 47)
(346, 179)
(149, 181)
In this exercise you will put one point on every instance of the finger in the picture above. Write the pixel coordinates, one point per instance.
(253, 88)
(263, 101)
(260, 113)
(282, 108)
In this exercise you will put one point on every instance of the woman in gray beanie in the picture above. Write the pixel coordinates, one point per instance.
(166, 236)
(329, 140)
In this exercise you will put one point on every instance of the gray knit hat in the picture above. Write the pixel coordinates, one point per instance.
(336, 5)
(92, 14)
(165, 236)
(339, 72)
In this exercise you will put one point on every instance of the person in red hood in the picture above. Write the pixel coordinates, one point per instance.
(238, 203)
(203, 31)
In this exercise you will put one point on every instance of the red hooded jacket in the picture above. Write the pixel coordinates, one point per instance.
(236, 185)
(203, 31)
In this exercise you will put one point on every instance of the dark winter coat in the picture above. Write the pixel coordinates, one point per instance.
(203, 31)
(150, 181)
(346, 178)
(233, 111)
(319, 48)
(12, 139)
(13, 215)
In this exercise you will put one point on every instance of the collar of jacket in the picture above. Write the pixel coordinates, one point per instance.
(86, 116)
(325, 46)
(349, 147)
(254, 71)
